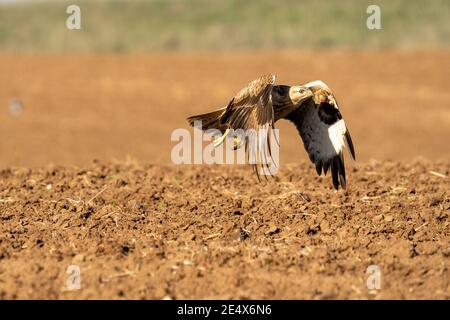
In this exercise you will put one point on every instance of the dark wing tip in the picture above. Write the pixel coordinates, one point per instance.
(342, 179)
(319, 167)
(326, 165)
(338, 171)
(335, 172)
(349, 141)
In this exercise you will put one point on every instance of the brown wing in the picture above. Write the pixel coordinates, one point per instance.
(324, 136)
(251, 110)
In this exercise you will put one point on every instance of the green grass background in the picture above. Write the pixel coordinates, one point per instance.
(159, 25)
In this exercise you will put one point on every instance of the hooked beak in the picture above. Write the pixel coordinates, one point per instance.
(307, 93)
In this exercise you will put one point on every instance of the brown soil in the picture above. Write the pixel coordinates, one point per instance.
(212, 232)
(163, 231)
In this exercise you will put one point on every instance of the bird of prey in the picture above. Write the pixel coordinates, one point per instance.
(311, 107)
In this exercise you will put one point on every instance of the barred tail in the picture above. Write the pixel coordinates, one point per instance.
(209, 120)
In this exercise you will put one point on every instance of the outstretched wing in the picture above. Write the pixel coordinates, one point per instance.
(324, 136)
(251, 110)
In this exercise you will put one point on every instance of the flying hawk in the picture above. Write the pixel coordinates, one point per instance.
(312, 108)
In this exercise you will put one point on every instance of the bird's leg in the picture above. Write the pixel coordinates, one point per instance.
(219, 141)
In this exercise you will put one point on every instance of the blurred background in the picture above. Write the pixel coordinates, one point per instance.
(118, 87)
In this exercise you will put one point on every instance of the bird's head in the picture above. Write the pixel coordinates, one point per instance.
(298, 94)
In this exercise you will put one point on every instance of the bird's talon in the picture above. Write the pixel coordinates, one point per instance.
(219, 141)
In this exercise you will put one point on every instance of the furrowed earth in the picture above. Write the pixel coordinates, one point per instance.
(211, 232)
(86, 180)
